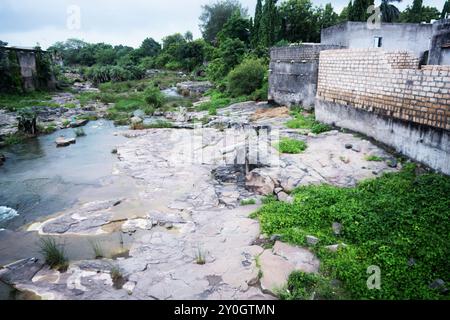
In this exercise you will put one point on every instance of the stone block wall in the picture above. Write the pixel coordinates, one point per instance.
(386, 96)
(388, 84)
(293, 74)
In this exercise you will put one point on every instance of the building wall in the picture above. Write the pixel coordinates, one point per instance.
(386, 96)
(27, 61)
(440, 43)
(395, 36)
(293, 74)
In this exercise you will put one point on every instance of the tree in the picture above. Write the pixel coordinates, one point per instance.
(215, 16)
(328, 17)
(270, 24)
(150, 48)
(301, 21)
(358, 10)
(237, 27)
(446, 10)
(345, 13)
(389, 12)
(418, 13)
(256, 29)
(188, 36)
(3, 44)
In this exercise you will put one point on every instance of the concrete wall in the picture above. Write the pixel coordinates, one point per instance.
(293, 74)
(440, 43)
(386, 96)
(395, 36)
(425, 144)
(27, 61)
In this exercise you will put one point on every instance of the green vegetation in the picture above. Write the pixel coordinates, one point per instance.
(117, 278)
(160, 124)
(47, 129)
(54, 254)
(399, 222)
(15, 102)
(97, 249)
(248, 202)
(304, 120)
(79, 132)
(291, 146)
(200, 257)
(304, 286)
(13, 139)
(374, 158)
(246, 78)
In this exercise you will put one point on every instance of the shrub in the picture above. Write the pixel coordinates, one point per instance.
(399, 222)
(318, 128)
(246, 78)
(153, 97)
(374, 158)
(248, 202)
(79, 132)
(54, 254)
(291, 146)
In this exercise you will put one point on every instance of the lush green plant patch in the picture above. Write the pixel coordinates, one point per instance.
(308, 121)
(399, 222)
(291, 146)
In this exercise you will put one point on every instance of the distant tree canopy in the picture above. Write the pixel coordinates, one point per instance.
(229, 37)
(215, 16)
(418, 13)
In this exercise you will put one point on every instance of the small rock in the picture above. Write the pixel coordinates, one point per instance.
(136, 120)
(411, 262)
(336, 247)
(392, 163)
(375, 173)
(139, 114)
(63, 142)
(114, 151)
(284, 197)
(438, 284)
(348, 146)
(337, 228)
(275, 237)
(311, 240)
(278, 190)
(356, 148)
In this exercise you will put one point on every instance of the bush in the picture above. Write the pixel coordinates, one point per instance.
(246, 78)
(291, 146)
(153, 97)
(399, 222)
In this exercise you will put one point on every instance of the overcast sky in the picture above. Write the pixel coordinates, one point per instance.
(28, 22)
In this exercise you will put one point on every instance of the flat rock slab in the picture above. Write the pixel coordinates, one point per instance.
(278, 263)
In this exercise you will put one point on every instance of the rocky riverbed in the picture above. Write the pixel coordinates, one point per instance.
(191, 237)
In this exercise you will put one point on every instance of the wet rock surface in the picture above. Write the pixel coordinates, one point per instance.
(194, 184)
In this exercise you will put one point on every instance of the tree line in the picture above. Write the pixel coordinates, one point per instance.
(230, 35)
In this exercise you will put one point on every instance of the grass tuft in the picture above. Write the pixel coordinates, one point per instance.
(54, 254)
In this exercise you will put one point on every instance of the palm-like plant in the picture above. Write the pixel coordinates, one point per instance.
(389, 12)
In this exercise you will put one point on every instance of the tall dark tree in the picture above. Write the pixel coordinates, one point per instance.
(418, 13)
(359, 10)
(150, 47)
(446, 10)
(301, 21)
(328, 17)
(256, 28)
(215, 16)
(389, 12)
(270, 24)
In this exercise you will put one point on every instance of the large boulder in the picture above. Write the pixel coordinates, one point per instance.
(260, 182)
(194, 88)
